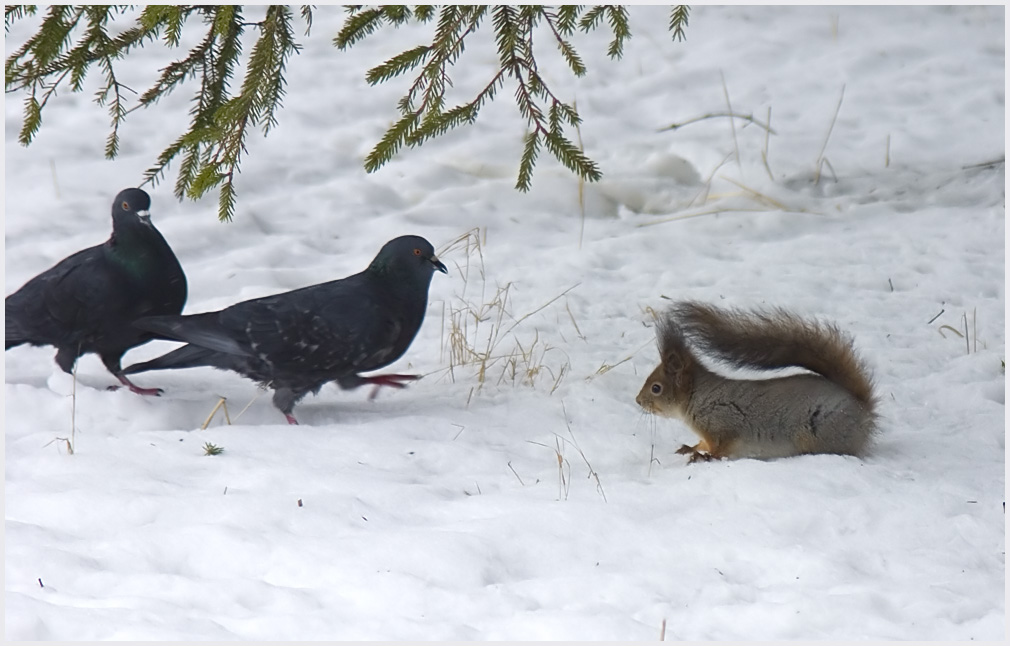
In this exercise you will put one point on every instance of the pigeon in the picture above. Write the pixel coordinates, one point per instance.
(297, 341)
(88, 301)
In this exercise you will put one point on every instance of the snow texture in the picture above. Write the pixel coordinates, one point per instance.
(468, 509)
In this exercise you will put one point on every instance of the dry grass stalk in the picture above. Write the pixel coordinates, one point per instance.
(764, 151)
(480, 332)
(715, 115)
(761, 197)
(732, 124)
(221, 403)
(563, 480)
(592, 472)
(820, 156)
(564, 465)
(582, 182)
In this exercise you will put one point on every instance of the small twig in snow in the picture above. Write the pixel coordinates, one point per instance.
(516, 474)
(820, 155)
(716, 115)
(974, 327)
(967, 344)
(764, 151)
(732, 126)
(988, 164)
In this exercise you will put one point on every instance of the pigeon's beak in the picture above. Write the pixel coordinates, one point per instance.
(438, 264)
(145, 216)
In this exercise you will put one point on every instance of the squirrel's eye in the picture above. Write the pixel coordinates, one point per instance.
(657, 388)
(417, 252)
(126, 206)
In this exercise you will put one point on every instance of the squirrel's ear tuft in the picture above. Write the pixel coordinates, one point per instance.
(675, 361)
(678, 367)
(678, 362)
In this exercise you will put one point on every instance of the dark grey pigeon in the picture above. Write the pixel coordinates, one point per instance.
(297, 341)
(88, 301)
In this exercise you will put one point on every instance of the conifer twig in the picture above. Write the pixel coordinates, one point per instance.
(73, 38)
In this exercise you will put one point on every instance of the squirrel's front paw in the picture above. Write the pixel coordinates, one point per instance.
(695, 454)
(700, 457)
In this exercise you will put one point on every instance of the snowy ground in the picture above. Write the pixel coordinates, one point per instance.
(440, 511)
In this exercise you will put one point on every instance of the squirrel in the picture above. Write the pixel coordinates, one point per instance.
(829, 410)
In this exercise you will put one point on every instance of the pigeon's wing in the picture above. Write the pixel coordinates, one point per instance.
(70, 300)
(318, 332)
(332, 328)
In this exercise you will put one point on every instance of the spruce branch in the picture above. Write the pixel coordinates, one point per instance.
(13, 13)
(617, 15)
(357, 26)
(528, 160)
(307, 17)
(72, 40)
(423, 112)
(678, 21)
(566, 17)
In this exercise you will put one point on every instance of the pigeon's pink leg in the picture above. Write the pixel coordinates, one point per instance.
(394, 381)
(156, 392)
(291, 419)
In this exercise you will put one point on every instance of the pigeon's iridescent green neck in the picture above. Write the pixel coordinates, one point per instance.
(384, 266)
(137, 248)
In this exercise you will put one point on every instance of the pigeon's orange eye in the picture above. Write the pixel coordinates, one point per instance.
(417, 252)
(126, 206)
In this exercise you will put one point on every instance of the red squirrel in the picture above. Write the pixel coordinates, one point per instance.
(831, 409)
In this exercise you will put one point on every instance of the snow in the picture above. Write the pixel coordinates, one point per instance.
(463, 510)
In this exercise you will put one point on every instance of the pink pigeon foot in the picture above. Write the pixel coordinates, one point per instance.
(155, 392)
(394, 381)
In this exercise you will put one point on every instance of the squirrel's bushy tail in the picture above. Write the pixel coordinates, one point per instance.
(776, 338)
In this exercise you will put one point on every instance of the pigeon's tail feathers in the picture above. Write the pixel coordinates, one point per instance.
(188, 356)
(198, 329)
(15, 332)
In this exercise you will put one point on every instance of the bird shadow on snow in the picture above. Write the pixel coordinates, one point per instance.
(188, 404)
